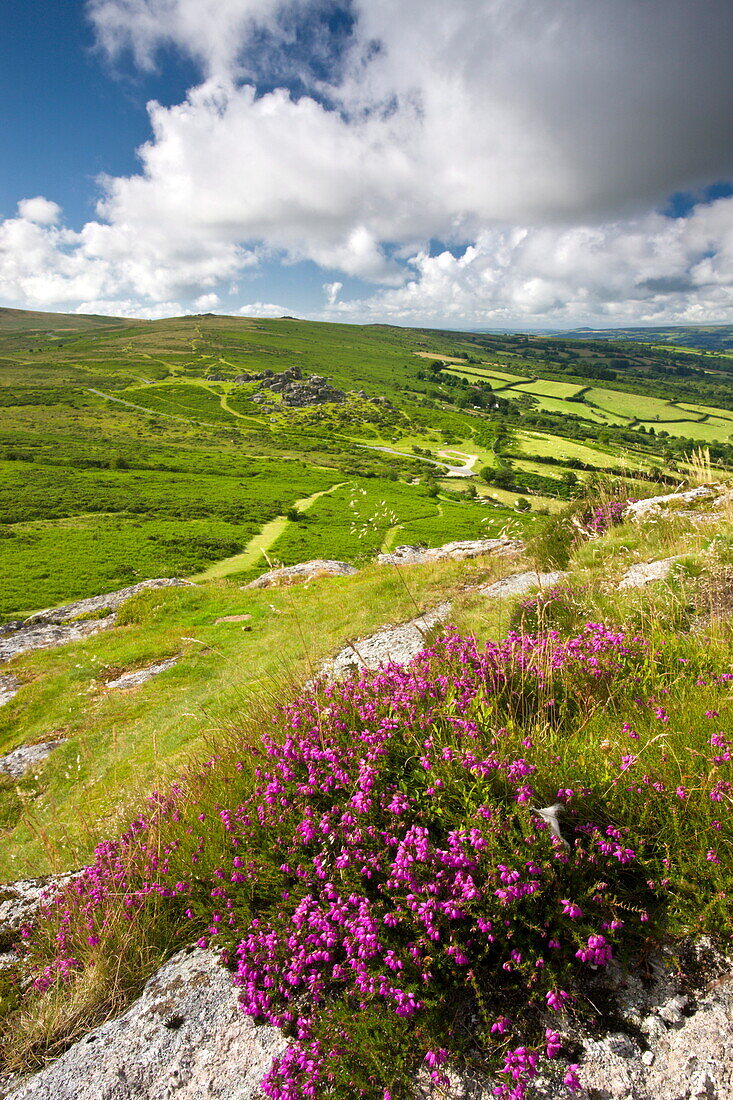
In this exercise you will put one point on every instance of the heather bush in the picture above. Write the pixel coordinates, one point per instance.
(552, 545)
(376, 870)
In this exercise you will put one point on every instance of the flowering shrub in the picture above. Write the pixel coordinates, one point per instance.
(598, 520)
(382, 869)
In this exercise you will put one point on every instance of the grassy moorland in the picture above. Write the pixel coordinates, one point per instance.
(136, 448)
(374, 853)
(389, 821)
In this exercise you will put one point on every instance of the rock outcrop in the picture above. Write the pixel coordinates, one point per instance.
(646, 572)
(398, 643)
(59, 625)
(184, 1037)
(9, 687)
(519, 583)
(19, 902)
(16, 763)
(655, 506)
(457, 551)
(298, 392)
(141, 675)
(299, 574)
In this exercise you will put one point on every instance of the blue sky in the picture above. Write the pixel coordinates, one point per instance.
(484, 163)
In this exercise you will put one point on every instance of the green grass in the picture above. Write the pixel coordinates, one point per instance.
(121, 744)
(630, 755)
(560, 390)
(635, 407)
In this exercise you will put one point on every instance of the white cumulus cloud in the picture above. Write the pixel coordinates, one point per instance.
(207, 301)
(263, 309)
(531, 137)
(39, 210)
(650, 270)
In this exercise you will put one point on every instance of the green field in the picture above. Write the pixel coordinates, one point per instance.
(562, 390)
(636, 407)
(120, 459)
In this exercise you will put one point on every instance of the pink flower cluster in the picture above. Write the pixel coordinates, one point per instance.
(598, 520)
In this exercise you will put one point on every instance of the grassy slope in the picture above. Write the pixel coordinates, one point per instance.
(229, 679)
(122, 744)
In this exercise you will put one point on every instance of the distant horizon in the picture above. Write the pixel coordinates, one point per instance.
(509, 330)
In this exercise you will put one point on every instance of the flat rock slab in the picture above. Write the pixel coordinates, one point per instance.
(398, 644)
(520, 583)
(232, 619)
(142, 675)
(185, 1037)
(19, 902)
(111, 601)
(456, 551)
(9, 687)
(16, 763)
(647, 572)
(654, 506)
(305, 571)
(56, 625)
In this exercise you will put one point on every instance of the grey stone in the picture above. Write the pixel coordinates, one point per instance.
(55, 626)
(520, 583)
(9, 688)
(397, 644)
(20, 901)
(654, 506)
(184, 1037)
(17, 762)
(647, 572)
(456, 551)
(299, 574)
(111, 601)
(141, 675)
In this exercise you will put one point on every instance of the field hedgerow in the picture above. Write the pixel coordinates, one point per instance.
(422, 866)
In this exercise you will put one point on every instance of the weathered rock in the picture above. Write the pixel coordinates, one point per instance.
(17, 762)
(19, 902)
(457, 551)
(678, 1046)
(111, 601)
(636, 576)
(141, 675)
(298, 392)
(654, 506)
(46, 636)
(232, 619)
(305, 571)
(519, 583)
(56, 625)
(9, 687)
(392, 643)
(185, 1037)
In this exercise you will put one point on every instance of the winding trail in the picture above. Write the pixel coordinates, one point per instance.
(454, 471)
(260, 543)
(149, 411)
(467, 469)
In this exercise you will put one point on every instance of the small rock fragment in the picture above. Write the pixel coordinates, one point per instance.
(520, 583)
(142, 675)
(647, 572)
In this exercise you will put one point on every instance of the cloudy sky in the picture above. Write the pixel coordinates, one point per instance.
(487, 163)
